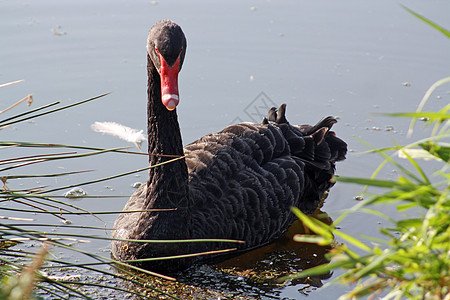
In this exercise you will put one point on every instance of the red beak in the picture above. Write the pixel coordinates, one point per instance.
(169, 83)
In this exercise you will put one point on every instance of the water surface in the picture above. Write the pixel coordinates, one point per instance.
(349, 59)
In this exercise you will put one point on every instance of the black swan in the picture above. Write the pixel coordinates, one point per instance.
(239, 183)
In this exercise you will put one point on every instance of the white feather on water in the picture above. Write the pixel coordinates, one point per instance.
(118, 130)
(416, 154)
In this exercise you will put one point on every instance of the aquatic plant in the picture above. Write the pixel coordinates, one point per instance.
(22, 270)
(47, 257)
(38, 267)
(413, 258)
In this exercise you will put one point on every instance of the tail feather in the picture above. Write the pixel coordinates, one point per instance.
(317, 148)
(327, 122)
(319, 135)
(337, 146)
(281, 118)
(272, 115)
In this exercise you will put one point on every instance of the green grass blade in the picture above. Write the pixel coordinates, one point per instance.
(49, 234)
(315, 225)
(433, 116)
(98, 257)
(23, 225)
(7, 177)
(59, 157)
(67, 287)
(429, 22)
(312, 239)
(20, 267)
(354, 241)
(318, 270)
(417, 166)
(58, 264)
(440, 151)
(45, 145)
(375, 264)
(377, 213)
(180, 256)
(28, 158)
(395, 163)
(388, 184)
(54, 110)
(113, 177)
(29, 112)
(111, 287)
(424, 100)
(79, 213)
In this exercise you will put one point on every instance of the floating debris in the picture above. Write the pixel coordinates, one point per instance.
(136, 185)
(58, 31)
(66, 277)
(416, 154)
(28, 97)
(126, 133)
(75, 193)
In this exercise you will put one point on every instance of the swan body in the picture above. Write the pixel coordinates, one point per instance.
(239, 183)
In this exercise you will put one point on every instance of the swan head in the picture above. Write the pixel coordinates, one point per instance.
(166, 47)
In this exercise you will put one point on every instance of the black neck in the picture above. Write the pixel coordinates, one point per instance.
(167, 186)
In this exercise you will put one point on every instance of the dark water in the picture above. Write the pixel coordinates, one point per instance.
(349, 59)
